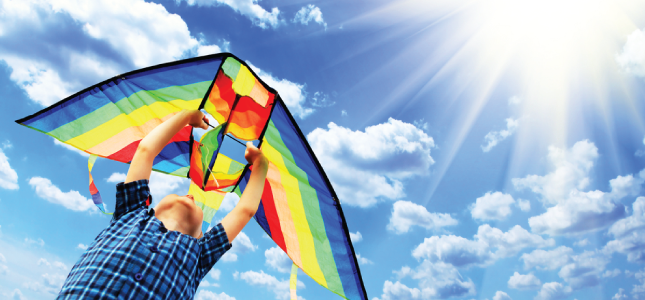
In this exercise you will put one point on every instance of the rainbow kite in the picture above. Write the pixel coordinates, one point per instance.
(299, 209)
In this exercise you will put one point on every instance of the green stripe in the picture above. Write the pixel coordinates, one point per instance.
(209, 212)
(235, 167)
(231, 67)
(182, 172)
(311, 204)
(126, 106)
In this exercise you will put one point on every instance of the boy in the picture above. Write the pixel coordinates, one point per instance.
(159, 253)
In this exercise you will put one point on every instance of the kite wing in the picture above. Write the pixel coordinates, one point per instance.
(299, 208)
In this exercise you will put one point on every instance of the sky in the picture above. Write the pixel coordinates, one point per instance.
(489, 149)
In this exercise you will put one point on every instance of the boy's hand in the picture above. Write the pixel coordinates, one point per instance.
(253, 154)
(197, 119)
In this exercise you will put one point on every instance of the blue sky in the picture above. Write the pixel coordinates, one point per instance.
(481, 149)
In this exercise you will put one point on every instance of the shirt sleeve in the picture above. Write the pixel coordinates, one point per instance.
(130, 197)
(213, 245)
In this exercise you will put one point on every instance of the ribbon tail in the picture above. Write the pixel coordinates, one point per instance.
(96, 195)
(293, 282)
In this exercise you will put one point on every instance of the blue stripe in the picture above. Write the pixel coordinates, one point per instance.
(339, 241)
(173, 157)
(115, 90)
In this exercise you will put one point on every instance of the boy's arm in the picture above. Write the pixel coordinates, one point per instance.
(235, 220)
(156, 140)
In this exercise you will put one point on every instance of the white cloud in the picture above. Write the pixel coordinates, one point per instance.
(406, 214)
(16, 294)
(547, 259)
(524, 282)
(495, 206)
(2, 258)
(309, 13)
(279, 287)
(215, 274)
(488, 245)
(524, 205)
(38, 242)
(320, 99)
(581, 243)
(553, 291)
(208, 49)
(610, 273)
(628, 234)
(115, 36)
(584, 270)
(248, 8)
(241, 245)
(278, 260)
(4, 270)
(116, 177)
(398, 290)
(208, 295)
(436, 281)
(362, 260)
(570, 210)
(514, 100)
(499, 295)
(229, 202)
(70, 147)
(72, 200)
(8, 176)
(381, 156)
(632, 58)
(82, 247)
(494, 137)
(343, 113)
(7, 144)
(355, 237)
(620, 295)
(205, 283)
(293, 94)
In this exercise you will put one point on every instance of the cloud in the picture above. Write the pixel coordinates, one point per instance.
(16, 294)
(278, 260)
(436, 281)
(547, 259)
(293, 94)
(514, 100)
(610, 273)
(110, 37)
(241, 245)
(620, 295)
(524, 282)
(524, 205)
(381, 156)
(4, 270)
(343, 113)
(309, 13)
(553, 291)
(355, 237)
(499, 295)
(362, 260)
(632, 58)
(495, 206)
(585, 269)
(82, 246)
(406, 214)
(2, 258)
(72, 200)
(581, 243)
(161, 185)
(215, 274)
(229, 202)
(570, 210)
(494, 137)
(8, 176)
(248, 8)
(208, 295)
(279, 287)
(7, 144)
(628, 234)
(71, 148)
(321, 100)
(38, 242)
(488, 245)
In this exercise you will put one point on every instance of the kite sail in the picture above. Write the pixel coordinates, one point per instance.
(299, 209)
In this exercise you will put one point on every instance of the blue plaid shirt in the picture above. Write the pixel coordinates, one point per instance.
(136, 257)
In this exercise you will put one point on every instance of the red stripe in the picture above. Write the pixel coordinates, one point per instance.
(272, 216)
(93, 189)
(127, 153)
(196, 173)
(223, 91)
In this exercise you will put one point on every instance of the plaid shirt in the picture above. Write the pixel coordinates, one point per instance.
(136, 257)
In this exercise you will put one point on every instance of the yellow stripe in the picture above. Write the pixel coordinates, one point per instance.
(137, 117)
(210, 108)
(211, 199)
(294, 198)
(244, 82)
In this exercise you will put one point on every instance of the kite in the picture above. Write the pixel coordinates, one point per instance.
(299, 209)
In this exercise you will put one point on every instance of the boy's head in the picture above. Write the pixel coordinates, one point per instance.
(180, 213)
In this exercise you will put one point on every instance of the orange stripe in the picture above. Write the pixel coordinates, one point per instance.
(126, 137)
(284, 214)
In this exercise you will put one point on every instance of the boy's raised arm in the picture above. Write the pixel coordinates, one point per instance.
(235, 220)
(156, 140)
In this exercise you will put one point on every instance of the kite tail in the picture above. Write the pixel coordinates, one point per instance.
(293, 282)
(96, 196)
